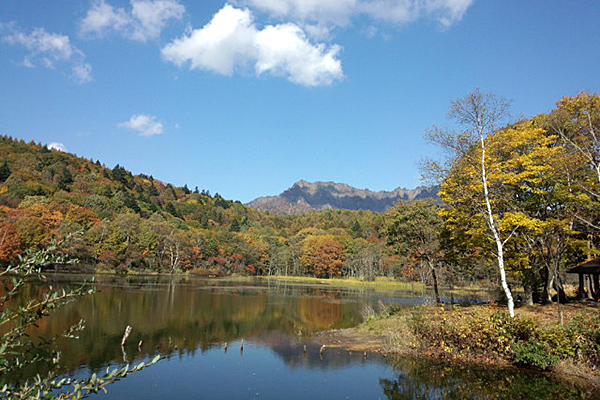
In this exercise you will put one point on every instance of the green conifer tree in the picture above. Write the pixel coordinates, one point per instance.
(4, 172)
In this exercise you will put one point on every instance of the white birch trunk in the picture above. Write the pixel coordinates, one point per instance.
(495, 232)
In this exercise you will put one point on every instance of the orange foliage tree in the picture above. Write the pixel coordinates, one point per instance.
(322, 256)
(10, 243)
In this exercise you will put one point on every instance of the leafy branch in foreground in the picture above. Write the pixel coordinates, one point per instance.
(18, 350)
(49, 387)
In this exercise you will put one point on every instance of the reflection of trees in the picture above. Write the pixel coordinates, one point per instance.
(318, 313)
(420, 379)
(177, 314)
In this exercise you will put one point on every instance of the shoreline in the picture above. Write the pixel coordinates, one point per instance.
(392, 336)
(378, 282)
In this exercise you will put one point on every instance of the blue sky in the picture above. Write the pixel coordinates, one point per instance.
(246, 97)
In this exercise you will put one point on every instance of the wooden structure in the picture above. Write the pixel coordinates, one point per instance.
(589, 279)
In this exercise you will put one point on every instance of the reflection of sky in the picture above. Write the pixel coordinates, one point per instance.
(280, 370)
(258, 373)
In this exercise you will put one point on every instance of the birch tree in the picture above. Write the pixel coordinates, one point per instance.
(479, 114)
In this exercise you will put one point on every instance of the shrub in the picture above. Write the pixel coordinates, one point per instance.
(492, 334)
(534, 354)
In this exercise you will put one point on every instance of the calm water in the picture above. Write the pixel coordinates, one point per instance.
(189, 321)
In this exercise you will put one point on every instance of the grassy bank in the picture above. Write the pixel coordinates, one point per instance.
(485, 334)
(378, 282)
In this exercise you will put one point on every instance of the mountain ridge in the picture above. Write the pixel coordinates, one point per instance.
(305, 196)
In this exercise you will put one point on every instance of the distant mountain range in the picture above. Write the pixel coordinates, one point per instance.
(304, 196)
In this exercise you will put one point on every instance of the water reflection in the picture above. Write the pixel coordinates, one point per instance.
(191, 321)
(185, 314)
(423, 379)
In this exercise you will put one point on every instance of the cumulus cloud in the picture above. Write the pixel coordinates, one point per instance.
(57, 146)
(340, 12)
(227, 40)
(145, 125)
(231, 40)
(47, 49)
(144, 21)
(283, 50)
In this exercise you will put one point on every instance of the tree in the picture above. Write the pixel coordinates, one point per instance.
(356, 229)
(413, 230)
(10, 243)
(364, 259)
(480, 114)
(170, 208)
(576, 120)
(234, 226)
(530, 175)
(65, 179)
(4, 172)
(322, 256)
(152, 191)
(129, 202)
(529, 192)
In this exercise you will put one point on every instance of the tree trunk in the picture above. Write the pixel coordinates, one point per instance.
(528, 284)
(492, 225)
(548, 280)
(528, 294)
(589, 290)
(561, 297)
(580, 289)
(435, 284)
(560, 294)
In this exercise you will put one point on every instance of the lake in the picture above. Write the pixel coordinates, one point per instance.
(198, 326)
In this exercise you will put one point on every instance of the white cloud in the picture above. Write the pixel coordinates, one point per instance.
(150, 17)
(102, 17)
(231, 40)
(447, 12)
(145, 125)
(82, 73)
(57, 146)
(227, 40)
(47, 49)
(283, 50)
(145, 20)
(51, 47)
(340, 12)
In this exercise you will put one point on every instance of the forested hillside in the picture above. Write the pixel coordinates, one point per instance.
(110, 219)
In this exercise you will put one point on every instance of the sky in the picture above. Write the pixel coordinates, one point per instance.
(246, 97)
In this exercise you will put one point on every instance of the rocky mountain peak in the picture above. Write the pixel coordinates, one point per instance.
(304, 196)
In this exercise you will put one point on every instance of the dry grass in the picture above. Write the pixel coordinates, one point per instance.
(378, 282)
(548, 314)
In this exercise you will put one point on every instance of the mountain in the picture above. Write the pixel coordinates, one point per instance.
(304, 196)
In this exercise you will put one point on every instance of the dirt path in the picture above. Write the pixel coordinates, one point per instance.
(352, 340)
